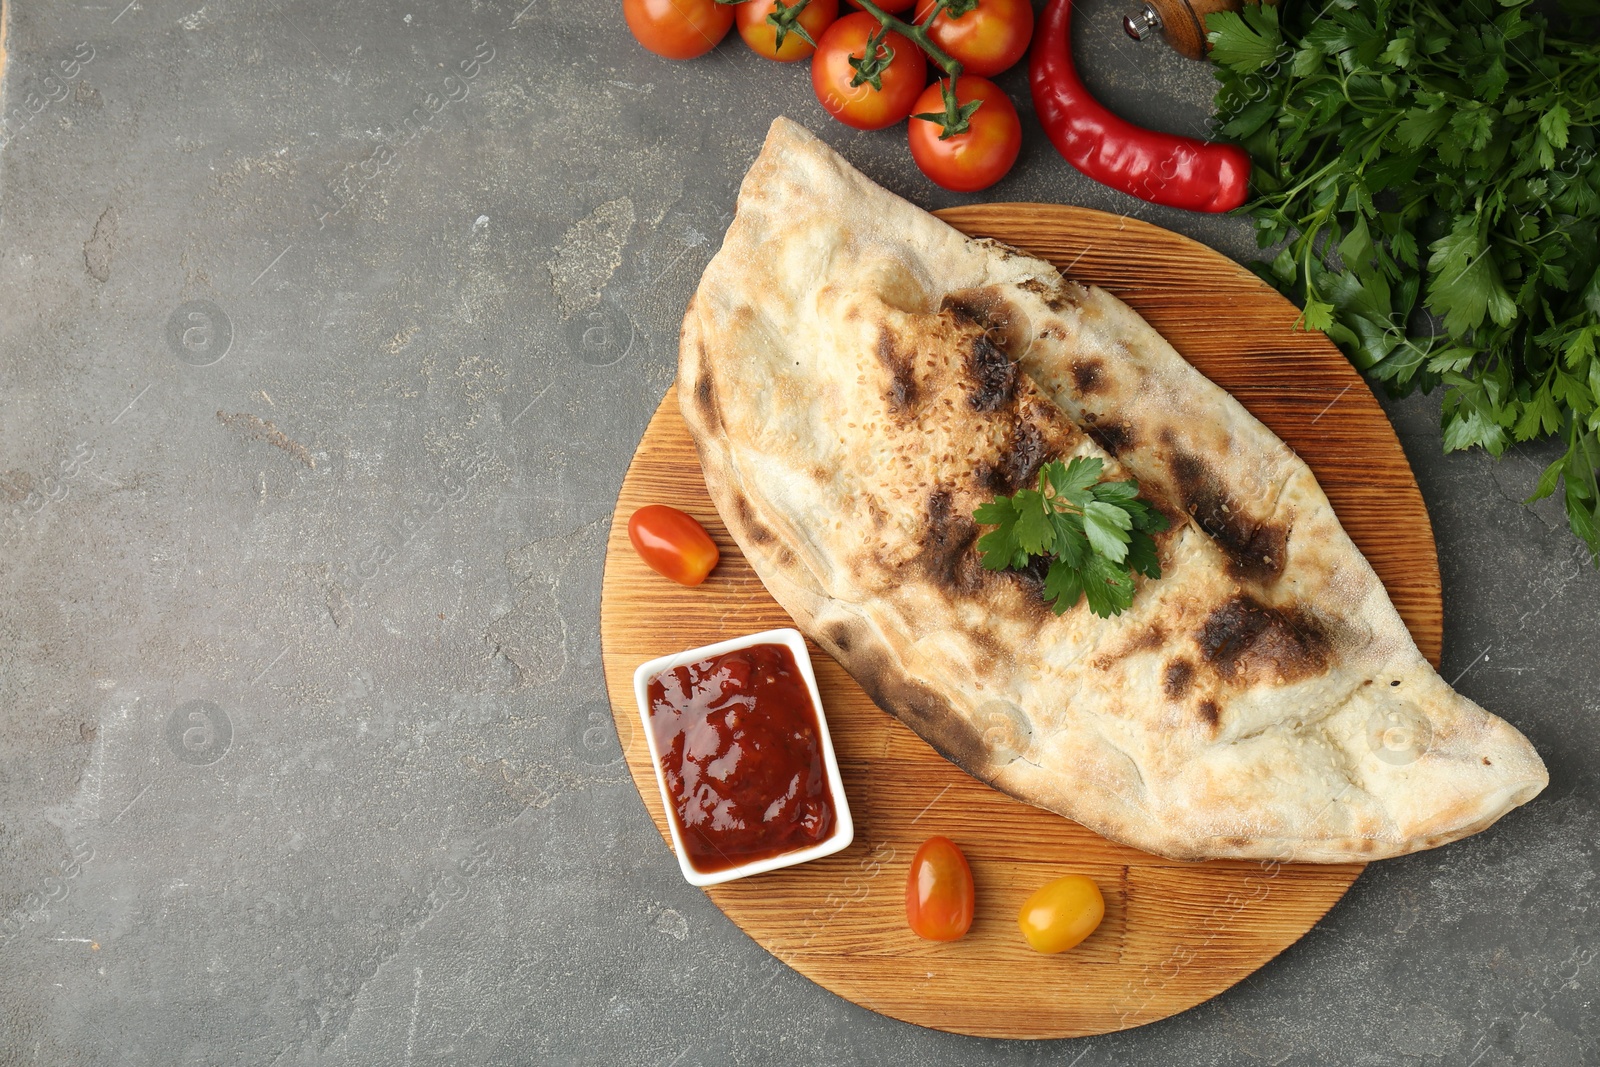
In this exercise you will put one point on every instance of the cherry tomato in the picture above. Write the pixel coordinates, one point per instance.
(862, 106)
(672, 543)
(978, 158)
(1062, 913)
(762, 36)
(939, 891)
(987, 39)
(678, 29)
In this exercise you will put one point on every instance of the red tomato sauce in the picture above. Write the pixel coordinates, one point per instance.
(741, 752)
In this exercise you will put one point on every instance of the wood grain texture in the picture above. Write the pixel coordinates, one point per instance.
(1175, 933)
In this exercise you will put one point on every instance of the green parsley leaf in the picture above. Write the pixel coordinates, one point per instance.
(999, 546)
(1547, 481)
(1317, 315)
(1063, 586)
(1421, 126)
(1095, 534)
(1120, 493)
(1079, 474)
(1142, 555)
(1554, 123)
(1072, 543)
(1107, 587)
(1035, 532)
(1438, 156)
(1107, 526)
(1466, 281)
(1245, 41)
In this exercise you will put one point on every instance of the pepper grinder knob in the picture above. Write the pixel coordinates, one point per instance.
(1142, 23)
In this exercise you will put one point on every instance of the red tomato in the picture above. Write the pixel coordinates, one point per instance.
(672, 543)
(987, 39)
(939, 894)
(678, 29)
(762, 36)
(862, 106)
(978, 158)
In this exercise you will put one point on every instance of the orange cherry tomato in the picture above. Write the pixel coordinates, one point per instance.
(939, 894)
(672, 543)
(862, 106)
(1061, 914)
(762, 36)
(678, 29)
(978, 158)
(987, 39)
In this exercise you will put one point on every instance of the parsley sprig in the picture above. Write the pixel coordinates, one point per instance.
(1429, 171)
(1095, 534)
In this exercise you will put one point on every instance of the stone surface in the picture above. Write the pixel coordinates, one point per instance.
(326, 332)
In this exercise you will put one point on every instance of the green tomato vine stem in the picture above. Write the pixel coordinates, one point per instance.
(954, 119)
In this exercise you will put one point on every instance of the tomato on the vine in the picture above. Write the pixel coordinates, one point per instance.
(939, 893)
(678, 29)
(1061, 914)
(977, 158)
(673, 543)
(987, 39)
(900, 79)
(753, 17)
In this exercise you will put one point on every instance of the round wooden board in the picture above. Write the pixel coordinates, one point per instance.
(1174, 933)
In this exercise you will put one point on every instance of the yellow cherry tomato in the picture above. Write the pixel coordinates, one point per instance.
(1062, 913)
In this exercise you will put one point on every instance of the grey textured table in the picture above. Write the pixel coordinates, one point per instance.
(326, 332)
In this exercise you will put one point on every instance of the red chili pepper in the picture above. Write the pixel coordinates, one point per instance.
(1162, 168)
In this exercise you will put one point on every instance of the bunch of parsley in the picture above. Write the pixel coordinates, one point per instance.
(1094, 534)
(1429, 168)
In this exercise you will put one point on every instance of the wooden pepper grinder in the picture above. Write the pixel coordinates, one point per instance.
(1182, 22)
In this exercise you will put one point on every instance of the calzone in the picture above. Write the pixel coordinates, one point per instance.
(858, 377)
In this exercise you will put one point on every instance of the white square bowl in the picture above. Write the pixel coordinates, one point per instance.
(844, 830)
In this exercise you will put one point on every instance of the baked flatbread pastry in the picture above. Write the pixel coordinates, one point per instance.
(858, 377)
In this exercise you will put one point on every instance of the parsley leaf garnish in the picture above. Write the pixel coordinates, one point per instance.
(1096, 534)
(1428, 179)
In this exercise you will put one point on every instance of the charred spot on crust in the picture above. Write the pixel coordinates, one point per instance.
(902, 382)
(991, 311)
(1255, 551)
(1087, 376)
(987, 643)
(1030, 580)
(1179, 676)
(1019, 465)
(1145, 640)
(753, 527)
(982, 307)
(922, 709)
(1058, 297)
(1245, 633)
(705, 398)
(931, 717)
(1153, 636)
(1033, 574)
(1114, 436)
(1210, 714)
(994, 376)
(839, 636)
(945, 557)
